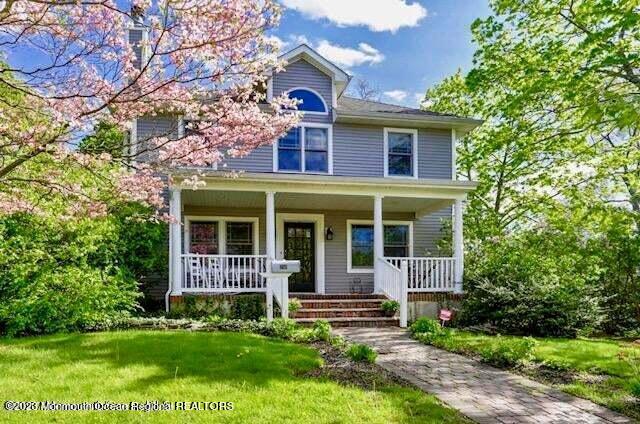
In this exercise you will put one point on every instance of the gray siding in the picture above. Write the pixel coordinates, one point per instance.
(428, 230)
(303, 74)
(358, 150)
(337, 280)
(434, 153)
(259, 160)
(157, 126)
(135, 38)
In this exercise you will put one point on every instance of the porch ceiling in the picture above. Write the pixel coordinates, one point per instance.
(305, 201)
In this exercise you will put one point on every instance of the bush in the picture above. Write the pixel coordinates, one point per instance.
(538, 283)
(248, 307)
(294, 306)
(361, 353)
(635, 388)
(61, 276)
(284, 328)
(508, 352)
(425, 325)
(322, 330)
(390, 307)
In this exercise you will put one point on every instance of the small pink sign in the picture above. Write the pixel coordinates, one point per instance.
(445, 315)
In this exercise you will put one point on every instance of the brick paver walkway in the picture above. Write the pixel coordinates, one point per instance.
(480, 392)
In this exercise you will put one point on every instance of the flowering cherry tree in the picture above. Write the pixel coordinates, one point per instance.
(67, 65)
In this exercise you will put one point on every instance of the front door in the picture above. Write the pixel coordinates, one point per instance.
(299, 245)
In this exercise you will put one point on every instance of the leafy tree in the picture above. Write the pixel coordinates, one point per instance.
(82, 70)
(573, 69)
(558, 161)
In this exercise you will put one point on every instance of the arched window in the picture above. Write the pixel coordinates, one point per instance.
(311, 101)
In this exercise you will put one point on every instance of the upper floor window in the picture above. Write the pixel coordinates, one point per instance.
(400, 152)
(311, 101)
(306, 148)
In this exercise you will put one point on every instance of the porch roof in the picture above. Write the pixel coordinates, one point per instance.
(305, 191)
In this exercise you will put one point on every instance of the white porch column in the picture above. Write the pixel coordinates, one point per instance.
(271, 225)
(458, 246)
(175, 241)
(378, 241)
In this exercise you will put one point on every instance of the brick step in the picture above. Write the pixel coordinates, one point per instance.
(341, 303)
(340, 313)
(355, 322)
(305, 296)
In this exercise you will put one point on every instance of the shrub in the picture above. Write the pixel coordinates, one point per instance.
(504, 352)
(248, 307)
(322, 330)
(390, 307)
(294, 306)
(284, 328)
(539, 283)
(361, 353)
(635, 387)
(61, 276)
(425, 325)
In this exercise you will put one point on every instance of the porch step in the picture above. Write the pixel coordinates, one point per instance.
(340, 303)
(339, 313)
(347, 296)
(343, 310)
(355, 321)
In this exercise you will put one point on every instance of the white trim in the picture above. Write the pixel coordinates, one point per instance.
(222, 230)
(133, 139)
(334, 93)
(309, 53)
(454, 166)
(270, 89)
(307, 112)
(318, 220)
(302, 126)
(350, 222)
(181, 127)
(414, 134)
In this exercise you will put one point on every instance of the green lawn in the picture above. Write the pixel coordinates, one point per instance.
(598, 367)
(260, 375)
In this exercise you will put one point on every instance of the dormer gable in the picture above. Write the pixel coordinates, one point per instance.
(307, 69)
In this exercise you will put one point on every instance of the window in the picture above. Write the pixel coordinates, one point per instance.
(290, 151)
(204, 238)
(311, 101)
(400, 152)
(397, 243)
(239, 238)
(362, 246)
(214, 235)
(306, 148)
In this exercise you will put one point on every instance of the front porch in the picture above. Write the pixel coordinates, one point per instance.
(356, 238)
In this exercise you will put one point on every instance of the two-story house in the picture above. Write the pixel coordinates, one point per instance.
(357, 192)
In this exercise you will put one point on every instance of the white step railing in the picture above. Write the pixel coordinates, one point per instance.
(393, 283)
(428, 274)
(223, 273)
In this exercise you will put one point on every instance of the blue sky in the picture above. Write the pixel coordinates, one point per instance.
(400, 46)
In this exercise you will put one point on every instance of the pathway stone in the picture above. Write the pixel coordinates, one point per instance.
(482, 393)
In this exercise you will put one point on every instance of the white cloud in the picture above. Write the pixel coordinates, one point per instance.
(277, 41)
(383, 15)
(396, 95)
(348, 57)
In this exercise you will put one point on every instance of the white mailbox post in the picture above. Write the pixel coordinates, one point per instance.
(277, 278)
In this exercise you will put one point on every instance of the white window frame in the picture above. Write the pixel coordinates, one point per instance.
(303, 126)
(414, 152)
(351, 222)
(326, 107)
(222, 230)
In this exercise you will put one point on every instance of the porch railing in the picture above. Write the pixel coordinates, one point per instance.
(428, 274)
(223, 273)
(393, 283)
